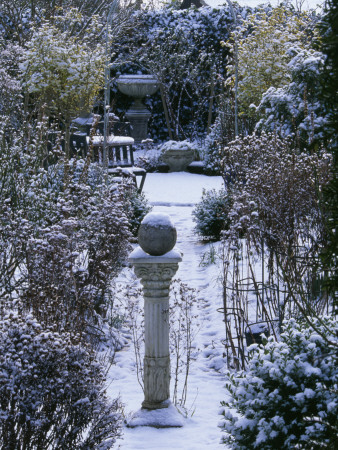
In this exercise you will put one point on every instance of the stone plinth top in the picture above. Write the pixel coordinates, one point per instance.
(139, 256)
(157, 234)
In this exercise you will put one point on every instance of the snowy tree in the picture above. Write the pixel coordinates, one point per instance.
(297, 108)
(263, 41)
(329, 31)
(18, 16)
(63, 70)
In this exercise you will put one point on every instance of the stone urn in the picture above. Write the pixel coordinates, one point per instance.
(177, 155)
(138, 87)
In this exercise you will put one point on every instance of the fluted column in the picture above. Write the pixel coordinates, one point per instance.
(156, 273)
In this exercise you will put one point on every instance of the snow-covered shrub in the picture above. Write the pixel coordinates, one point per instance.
(212, 150)
(71, 264)
(136, 208)
(276, 188)
(211, 214)
(276, 191)
(152, 163)
(52, 390)
(297, 108)
(287, 397)
(63, 235)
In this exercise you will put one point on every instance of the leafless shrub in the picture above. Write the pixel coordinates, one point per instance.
(183, 329)
(276, 191)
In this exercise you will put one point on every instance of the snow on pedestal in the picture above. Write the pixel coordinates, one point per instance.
(156, 273)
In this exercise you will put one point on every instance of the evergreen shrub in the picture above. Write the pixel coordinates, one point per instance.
(211, 214)
(136, 208)
(287, 397)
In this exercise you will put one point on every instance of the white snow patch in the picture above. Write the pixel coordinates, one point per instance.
(157, 220)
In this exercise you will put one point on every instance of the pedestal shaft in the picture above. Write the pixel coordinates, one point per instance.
(156, 277)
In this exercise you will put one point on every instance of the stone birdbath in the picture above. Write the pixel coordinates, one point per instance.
(155, 262)
(138, 87)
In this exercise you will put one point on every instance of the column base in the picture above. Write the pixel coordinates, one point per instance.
(165, 417)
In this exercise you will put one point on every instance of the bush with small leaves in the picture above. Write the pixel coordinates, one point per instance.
(136, 207)
(211, 214)
(287, 397)
(52, 390)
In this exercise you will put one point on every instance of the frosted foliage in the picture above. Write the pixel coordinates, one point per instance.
(297, 107)
(64, 69)
(287, 398)
(275, 190)
(10, 87)
(52, 390)
(263, 41)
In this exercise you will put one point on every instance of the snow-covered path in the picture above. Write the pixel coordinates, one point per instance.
(175, 194)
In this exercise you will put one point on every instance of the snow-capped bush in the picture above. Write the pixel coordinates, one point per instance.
(297, 108)
(63, 233)
(70, 264)
(287, 398)
(211, 214)
(52, 390)
(136, 208)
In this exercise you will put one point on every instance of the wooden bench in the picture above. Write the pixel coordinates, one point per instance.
(119, 148)
(120, 157)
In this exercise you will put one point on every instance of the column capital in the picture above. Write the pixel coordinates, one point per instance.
(155, 272)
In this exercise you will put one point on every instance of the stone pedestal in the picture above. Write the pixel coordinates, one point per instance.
(156, 273)
(138, 116)
(155, 264)
(138, 86)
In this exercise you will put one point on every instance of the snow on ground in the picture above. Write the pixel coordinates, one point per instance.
(178, 189)
(175, 194)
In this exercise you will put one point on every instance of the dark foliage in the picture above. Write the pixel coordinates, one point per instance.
(212, 214)
(329, 29)
(183, 49)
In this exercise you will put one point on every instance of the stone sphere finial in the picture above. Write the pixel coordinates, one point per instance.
(157, 234)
